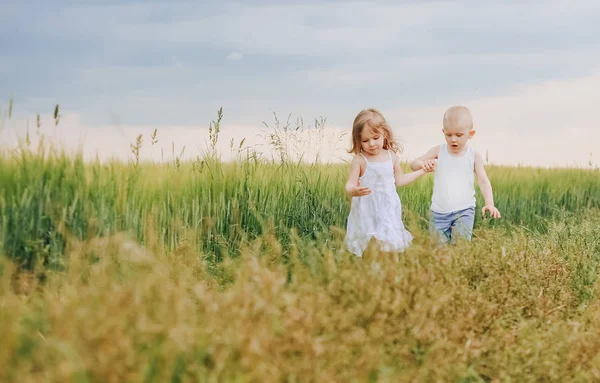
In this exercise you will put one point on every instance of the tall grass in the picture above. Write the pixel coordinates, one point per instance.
(511, 306)
(47, 195)
(210, 271)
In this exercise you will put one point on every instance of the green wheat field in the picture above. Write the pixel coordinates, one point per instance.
(212, 271)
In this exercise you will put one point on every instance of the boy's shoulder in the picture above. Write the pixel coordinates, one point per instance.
(434, 152)
(478, 157)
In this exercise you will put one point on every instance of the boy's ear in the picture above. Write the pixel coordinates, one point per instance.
(471, 133)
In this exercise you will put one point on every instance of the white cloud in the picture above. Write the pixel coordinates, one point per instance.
(361, 28)
(176, 62)
(549, 124)
(235, 56)
(315, 56)
(159, 63)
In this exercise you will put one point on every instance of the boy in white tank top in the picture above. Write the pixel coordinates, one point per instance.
(456, 165)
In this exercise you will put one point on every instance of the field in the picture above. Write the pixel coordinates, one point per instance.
(209, 271)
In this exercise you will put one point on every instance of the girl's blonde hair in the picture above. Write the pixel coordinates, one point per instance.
(372, 119)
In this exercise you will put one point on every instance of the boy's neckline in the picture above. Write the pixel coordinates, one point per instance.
(456, 155)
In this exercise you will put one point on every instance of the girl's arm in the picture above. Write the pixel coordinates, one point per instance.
(353, 187)
(404, 179)
(486, 188)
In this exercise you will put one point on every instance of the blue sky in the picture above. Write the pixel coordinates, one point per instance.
(166, 64)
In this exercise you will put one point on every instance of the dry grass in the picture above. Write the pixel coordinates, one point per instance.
(506, 307)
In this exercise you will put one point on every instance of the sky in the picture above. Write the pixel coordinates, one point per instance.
(528, 70)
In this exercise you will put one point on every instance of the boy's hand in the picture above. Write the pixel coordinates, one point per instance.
(494, 213)
(429, 165)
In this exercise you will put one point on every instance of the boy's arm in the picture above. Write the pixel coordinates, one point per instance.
(486, 188)
(404, 179)
(430, 155)
(353, 188)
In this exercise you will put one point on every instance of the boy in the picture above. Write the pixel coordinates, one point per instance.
(453, 200)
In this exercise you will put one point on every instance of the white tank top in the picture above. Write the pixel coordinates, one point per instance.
(453, 181)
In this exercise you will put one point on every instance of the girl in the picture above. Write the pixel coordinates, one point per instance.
(375, 172)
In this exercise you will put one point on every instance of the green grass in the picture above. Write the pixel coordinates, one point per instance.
(47, 196)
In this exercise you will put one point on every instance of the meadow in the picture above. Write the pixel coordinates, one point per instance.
(211, 271)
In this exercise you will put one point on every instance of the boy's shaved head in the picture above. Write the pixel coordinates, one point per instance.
(458, 116)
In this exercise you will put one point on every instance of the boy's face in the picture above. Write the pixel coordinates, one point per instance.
(457, 136)
(371, 141)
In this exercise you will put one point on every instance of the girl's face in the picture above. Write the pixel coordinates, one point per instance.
(371, 141)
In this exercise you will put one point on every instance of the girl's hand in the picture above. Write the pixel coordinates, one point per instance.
(429, 165)
(494, 213)
(359, 191)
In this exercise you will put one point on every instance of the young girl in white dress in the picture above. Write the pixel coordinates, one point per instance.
(376, 211)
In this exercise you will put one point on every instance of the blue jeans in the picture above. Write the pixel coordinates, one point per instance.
(448, 226)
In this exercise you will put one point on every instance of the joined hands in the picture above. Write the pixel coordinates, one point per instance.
(429, 165)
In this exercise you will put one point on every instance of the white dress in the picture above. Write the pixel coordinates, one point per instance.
(379, 214)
